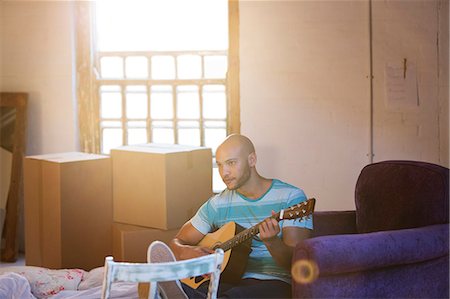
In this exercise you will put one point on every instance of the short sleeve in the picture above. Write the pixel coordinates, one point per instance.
(204, 218)
(297, 196)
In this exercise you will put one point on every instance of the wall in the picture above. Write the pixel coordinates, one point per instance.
(306, 91)
(305, 84)
(415, 127)
(37, 57)
(305, 94)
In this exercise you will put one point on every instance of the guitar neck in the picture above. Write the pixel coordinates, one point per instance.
(304, 209)
(243, 236)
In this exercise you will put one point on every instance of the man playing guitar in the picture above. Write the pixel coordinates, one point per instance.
(249, 200)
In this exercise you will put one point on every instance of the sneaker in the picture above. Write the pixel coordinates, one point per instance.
(159, 252)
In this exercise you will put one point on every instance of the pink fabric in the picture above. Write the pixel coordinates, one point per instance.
(45, 282)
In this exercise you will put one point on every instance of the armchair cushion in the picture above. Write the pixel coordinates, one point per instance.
(360, 252)
(392, 195)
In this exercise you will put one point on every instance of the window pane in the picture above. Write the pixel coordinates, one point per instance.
(161, 102)
(213, 137)
(163, 132)
(163, 136)
(189, 67)
(110, 88)
(218, 184)
(188, 124)
(188, 102)
(136, 67)
(215, 124)
(162, 124)
(214, 101)
(215, 66)
(110, 104)
(136, 105)
(189, 133)
(137, 136)
(163, 67)
(137, 124)
(136, 88)
(111, 67)
(189, 137)
(109, 124)
(112, 138)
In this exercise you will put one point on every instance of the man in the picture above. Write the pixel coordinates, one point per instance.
(248, 200)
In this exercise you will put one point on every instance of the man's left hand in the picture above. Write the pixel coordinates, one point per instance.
(269, 229)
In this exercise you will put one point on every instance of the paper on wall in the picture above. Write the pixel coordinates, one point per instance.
(401, 86)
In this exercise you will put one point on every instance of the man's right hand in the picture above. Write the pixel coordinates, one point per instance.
(184, 245)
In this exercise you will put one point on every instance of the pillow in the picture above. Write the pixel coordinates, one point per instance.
(92, 279)
(47, 282)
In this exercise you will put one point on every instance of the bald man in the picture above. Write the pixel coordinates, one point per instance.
(248, 200)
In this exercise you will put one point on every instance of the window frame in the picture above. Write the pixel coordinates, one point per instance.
(88, 75)
(149, 82)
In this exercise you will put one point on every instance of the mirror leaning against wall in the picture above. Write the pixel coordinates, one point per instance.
(13, 106)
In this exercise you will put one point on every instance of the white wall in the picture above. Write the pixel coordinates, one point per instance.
(410, 30)
(305, 90)
(37, 57)
(305, 93)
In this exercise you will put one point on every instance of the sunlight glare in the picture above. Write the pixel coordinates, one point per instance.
(161, 25)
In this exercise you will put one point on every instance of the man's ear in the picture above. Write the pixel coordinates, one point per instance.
(252, 159)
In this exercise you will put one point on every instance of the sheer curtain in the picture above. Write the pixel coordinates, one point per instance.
(86, 91)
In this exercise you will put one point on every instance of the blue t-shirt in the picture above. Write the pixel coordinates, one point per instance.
(230, 205)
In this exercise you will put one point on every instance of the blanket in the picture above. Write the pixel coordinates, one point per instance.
(28, 282)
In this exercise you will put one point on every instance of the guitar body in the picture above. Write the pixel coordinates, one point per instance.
(234, 261)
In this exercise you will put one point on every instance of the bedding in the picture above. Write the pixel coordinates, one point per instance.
(23, 282)
(13, 285)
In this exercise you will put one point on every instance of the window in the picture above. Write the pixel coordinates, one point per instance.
(165, 72)
(182, 98)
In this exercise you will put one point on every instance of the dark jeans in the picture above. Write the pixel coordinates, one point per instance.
(247, 288)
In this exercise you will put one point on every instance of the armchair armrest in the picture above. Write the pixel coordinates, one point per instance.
(334, 223)
(358, 252)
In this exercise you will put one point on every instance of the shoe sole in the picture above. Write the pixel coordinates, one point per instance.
(161, 253)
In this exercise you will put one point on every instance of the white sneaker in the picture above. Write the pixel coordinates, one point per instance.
(159, 252)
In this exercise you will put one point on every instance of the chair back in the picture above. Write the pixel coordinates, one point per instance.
(393, 195)
(159, 272)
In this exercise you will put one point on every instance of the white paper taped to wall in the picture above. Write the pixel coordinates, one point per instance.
(400, 82)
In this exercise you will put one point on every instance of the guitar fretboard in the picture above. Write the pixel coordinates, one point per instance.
(240, 238)
(298, 211)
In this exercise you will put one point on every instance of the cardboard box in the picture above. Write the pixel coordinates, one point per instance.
(160, 186)
(68, 210)
(130, 242)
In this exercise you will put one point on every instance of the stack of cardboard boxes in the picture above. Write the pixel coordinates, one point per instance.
(80, 207)
(156, 189)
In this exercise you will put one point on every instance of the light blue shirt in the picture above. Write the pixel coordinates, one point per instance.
(230, 205)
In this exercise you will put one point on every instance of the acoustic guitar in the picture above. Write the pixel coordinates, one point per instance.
(231, 235)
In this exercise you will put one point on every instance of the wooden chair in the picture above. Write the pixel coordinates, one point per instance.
(160, 272)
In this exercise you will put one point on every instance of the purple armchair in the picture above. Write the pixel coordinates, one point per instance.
(396, 243)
